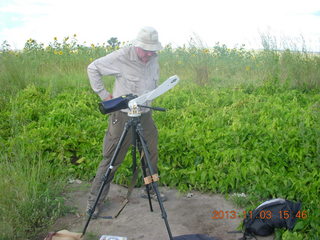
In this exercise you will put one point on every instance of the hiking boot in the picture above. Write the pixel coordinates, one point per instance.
(153, 195)
(95, 213)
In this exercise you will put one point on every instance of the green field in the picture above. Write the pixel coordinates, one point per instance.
(240, 121)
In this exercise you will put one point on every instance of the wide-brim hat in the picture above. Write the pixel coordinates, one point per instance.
(147, 39)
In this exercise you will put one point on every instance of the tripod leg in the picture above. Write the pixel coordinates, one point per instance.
(154, 183)
(106, 176)
(135, 144)
(134, 168)
(132, 184)
(143, 165)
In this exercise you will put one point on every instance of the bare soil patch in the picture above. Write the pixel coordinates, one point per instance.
(187, 214)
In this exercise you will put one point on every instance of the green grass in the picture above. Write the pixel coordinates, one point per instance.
(29, 191)
(239, 121)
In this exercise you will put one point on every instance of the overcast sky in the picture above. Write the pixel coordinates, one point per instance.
(230, 22)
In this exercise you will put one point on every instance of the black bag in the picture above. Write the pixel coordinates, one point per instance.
(275, 213)
(194, 237)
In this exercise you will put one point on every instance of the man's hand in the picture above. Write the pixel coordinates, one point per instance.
(108, 98)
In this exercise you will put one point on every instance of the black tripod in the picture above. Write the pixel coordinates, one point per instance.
(138, 141)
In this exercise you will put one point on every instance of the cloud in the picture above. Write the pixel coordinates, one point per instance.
(10, 20)
(230, 22)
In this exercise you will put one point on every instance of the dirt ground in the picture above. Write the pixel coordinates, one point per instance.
(189, 213)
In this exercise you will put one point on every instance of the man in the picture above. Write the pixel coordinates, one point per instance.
(136, 70)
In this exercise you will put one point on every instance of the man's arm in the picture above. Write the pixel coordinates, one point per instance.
(103, 66)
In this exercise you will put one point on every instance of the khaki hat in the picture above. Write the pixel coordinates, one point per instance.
(147, 39)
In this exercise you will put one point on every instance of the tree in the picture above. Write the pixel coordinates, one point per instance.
(113, 42)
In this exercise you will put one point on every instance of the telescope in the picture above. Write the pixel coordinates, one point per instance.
(134, 103)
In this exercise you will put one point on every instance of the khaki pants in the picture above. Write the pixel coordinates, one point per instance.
(117, 121)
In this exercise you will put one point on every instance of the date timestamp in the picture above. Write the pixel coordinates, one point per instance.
(263, 214)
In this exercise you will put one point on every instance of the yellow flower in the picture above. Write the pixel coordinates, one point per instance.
(60, 52)
(74, 35)
(55, 38)
(248, 68)
(91, 59)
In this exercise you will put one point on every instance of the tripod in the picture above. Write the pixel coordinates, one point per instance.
(138, 141)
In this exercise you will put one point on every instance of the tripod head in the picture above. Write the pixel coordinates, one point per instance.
(134, 103)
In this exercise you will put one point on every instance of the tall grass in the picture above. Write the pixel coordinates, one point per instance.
(63, 64)
(29, 194)
(222, 66)
(48, 117)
